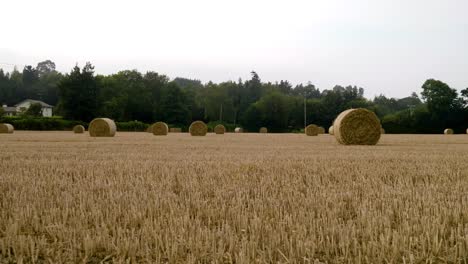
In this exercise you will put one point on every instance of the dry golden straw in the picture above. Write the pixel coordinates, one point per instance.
(448, 131)
(312, 130)
(6, 128)
(263, 130)
(357, 127)
(219, 129)
(321, 130)
(330, 130)
(175, 130)
(102, 127)
(198, 128)
(382, 131)
(232, 199)
(79, 129)
(160, 129)
(239, 130)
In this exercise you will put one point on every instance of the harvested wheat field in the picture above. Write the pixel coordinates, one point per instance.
(250, 198)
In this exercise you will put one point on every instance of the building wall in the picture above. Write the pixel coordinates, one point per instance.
(47, 112)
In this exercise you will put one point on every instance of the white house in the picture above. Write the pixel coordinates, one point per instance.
(24, 105)
(9, 110)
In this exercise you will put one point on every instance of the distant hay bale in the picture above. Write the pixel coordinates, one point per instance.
(448, 131)
(239, 130)
(312, 130)
(160, 129)
(321, 130)
(6, 128)
(357, 127)
(150, 129)
(263, 130)
(79, 129)
(382, 131)
(219, 129)
(102, 127)
(175, 130)
(198, 128)
(330, 130)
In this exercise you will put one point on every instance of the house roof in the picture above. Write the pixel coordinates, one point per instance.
(9, 109)
(44, 105)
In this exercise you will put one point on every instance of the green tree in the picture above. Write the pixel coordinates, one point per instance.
(174, 106)
(138, 104)
(464, 94)
(275, 109)
(439, 96)
(34, 110)
(45, 67)
(156, 83)
(79, 94)
(252, 118)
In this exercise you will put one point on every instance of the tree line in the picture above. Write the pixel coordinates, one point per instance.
(148, 97)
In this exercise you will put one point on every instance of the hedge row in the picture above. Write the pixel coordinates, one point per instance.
(40, 123)
(58, 123)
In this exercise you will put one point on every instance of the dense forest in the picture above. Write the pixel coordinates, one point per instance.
(130, 95)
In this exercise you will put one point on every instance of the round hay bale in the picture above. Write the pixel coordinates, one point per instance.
(321, 130)
(79, 129)
(448, 131)
(198, 128)
(263, 130)
(357, 127)
(102, 127)
(160, 129)
(330, 130)
(239, 130)
(312, 130)
(219, 129)
(382, 131)
(6, 128)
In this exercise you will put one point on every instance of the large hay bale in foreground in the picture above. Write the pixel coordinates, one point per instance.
(448, 131)
(312, 130)
(175, 130)
(198, 128)
(357, 127)
(239, 130)
(79, 129)
(6, 128)
(263, 130)
(219, 129)
(330, 130)
(160, 129)
(321, 130)
(102, 127)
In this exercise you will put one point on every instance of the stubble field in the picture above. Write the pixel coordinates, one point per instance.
(233, 198)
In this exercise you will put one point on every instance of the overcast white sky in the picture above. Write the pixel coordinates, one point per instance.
(384, 46)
